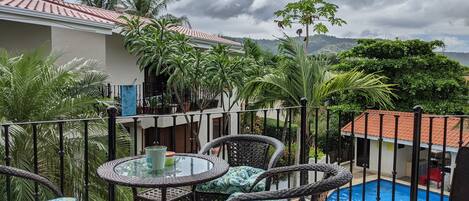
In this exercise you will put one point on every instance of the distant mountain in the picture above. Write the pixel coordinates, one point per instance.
(317, 44)
(462, 57)
(331, 44)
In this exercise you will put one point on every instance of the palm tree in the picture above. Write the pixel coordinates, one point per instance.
(299, 75)
(228, 73)
(151, 43)
(34, 88)
(104, 4)
(152, 9)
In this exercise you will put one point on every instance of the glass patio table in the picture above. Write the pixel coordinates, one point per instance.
(187, 170)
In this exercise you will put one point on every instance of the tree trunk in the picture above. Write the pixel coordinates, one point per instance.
(180, 104)
(285, 129)
(306, 39)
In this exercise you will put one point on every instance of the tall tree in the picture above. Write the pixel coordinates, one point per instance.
(170, 53)
(104, 4)
(299, 75)
(228, 73)
(145, 8)
(306, 13)
(153, 9)
(34, 88)
(422, 77)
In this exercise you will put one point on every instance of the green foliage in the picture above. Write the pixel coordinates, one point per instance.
(422, 77)
(271, 129)
(228, 71)
(299, 75)
(104, 4)
(34, 88)
(309, 13)
(151, 43)
(288, 156)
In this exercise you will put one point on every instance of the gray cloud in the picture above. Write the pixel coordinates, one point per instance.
(425, 19)
(225, 9)
(364, 4)
(402, 22)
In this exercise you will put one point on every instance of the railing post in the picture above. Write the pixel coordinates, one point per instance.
(416, 152)
(7, 161)
(109, 90)
(111, 111)
(303, 141)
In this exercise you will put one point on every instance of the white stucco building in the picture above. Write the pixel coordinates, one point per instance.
(79, 31)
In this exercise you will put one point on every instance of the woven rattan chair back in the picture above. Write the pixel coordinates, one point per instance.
(248, 153)
(247, 150)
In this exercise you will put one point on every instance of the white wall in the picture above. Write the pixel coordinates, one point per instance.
(404, 155)
(18, 37)
(72, 44)
(120, 65)
(108, 50)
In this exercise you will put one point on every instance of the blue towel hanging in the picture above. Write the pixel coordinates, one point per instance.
(128, 97)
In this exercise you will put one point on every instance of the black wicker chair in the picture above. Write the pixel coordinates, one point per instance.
(15, 172)
(243, 150)
(460, 183)
(334, 177)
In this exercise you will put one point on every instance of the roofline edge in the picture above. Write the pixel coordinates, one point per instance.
(102, 28)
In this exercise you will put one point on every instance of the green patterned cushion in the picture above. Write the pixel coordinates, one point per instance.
(64, 199)
(237, 179)
(235, 194)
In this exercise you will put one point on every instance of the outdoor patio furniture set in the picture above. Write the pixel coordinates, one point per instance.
(241, 169)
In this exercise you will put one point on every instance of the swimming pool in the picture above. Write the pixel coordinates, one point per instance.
(402, 192)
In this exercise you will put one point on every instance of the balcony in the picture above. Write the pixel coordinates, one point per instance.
(388, 154)
(152, 98)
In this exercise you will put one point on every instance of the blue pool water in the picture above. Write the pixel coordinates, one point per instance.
(402, 192)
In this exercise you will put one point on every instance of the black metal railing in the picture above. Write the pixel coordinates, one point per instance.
(321, 130)
(152, 98)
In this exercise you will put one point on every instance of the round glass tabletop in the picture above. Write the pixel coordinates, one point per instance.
(188, 169)
(183, 166)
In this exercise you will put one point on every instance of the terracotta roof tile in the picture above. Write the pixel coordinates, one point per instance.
(98, 15)
(405, 129)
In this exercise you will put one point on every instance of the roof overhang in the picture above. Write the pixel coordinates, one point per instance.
(32, 17)
(205, 44)
(435, 147)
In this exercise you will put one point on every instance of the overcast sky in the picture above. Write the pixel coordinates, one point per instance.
(446, 20)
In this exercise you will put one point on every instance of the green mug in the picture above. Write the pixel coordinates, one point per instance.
(156, 156)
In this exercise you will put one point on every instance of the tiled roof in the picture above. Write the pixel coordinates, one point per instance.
(202, 35)
(53, 8)
(406, 126)
(98, 15)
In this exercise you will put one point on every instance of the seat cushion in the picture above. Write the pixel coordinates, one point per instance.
(237, 179)
(64, 199)
(232, 196)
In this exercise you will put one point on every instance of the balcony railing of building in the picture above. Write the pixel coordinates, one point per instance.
(153, 98)
(307, 131)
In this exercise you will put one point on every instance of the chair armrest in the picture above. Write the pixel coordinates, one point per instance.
(11, 171)
(334, 177)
